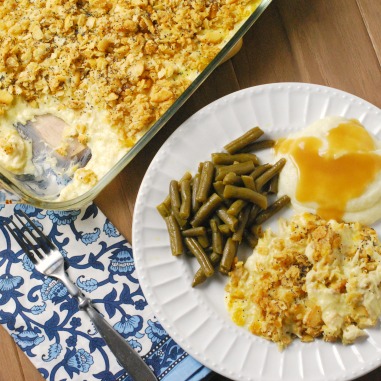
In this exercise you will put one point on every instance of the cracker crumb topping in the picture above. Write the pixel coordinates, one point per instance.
(129, 58)
(313, 279)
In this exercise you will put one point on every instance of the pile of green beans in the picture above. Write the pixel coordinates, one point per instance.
(210, 214)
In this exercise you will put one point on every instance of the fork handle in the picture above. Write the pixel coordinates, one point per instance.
(125, 354)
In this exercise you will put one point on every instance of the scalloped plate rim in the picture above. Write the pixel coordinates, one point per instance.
(141, 207)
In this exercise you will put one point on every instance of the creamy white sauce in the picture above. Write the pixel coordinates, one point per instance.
(103, 141)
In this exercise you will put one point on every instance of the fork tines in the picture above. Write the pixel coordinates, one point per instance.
(29, 237)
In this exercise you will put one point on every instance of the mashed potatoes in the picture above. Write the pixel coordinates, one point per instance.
(333, 169)
(315, 278)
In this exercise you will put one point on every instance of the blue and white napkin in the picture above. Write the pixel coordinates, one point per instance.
(44, 319)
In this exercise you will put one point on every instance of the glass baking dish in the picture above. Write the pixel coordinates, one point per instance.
(25, 193)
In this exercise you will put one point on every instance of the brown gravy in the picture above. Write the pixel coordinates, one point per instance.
(339, 174)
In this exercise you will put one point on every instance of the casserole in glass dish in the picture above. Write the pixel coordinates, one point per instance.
(86, 85)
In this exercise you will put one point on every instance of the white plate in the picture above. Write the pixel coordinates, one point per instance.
(196, 318)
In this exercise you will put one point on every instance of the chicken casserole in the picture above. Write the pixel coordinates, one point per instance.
(108, 69)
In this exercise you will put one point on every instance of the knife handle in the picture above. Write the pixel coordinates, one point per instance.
(125, 354)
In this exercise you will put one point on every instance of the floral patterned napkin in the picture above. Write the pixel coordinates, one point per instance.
(44, 319)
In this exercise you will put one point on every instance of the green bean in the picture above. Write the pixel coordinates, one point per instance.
(244, 140)
(195, 204)
(210, 214)
(236, 207)
(228, 255)
(242, 221)
(204, 261)
(200, 233)
(167, 201)
(181, 221)
(253, 213)
(228, 219)
(227, 159)
(194, 232)
(238, 168)
(251, 239)
(215, 258)
(163, 210)
(213, 202)
(219, 188)
(261, 144)
(232, 191)
(186, 199)
(256, 230)
(270, 173)
(272, 209)
(175, 239)
(248, 182)
(206, 181)
(217, 240)
(273, 186)
(187, 176)
(224, 229)
(259, 170)
(232, 178)
(200, 276)
(203, 240)
(174, 195)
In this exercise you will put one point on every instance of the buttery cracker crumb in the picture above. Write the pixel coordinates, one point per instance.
(286, 290)
(5, 97)
(114, 66)
(86, 176)
(107, 54)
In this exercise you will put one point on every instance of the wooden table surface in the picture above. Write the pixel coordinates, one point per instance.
(330, 42)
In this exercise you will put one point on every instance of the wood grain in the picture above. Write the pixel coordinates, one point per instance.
(334, 43)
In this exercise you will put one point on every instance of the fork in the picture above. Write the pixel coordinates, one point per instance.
(49, 261)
